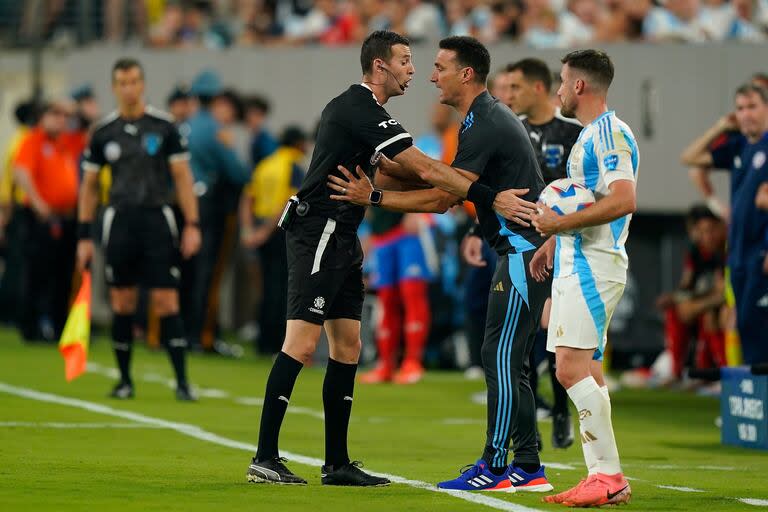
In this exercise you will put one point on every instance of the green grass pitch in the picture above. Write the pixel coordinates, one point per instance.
(67, 447)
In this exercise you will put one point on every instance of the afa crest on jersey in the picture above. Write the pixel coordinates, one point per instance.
(152, 143)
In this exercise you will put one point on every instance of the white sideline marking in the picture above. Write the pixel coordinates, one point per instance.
(64, 425)
(755, 502)
(558, 465)
(156, 378)
(203, 435)
(681, 489)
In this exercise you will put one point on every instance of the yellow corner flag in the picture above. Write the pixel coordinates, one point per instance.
(77, 331)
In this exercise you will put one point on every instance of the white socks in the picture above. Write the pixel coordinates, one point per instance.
(597, 440)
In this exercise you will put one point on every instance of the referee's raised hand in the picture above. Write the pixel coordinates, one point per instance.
(355, 189)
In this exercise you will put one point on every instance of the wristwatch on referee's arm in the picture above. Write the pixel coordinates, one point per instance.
(375, 197)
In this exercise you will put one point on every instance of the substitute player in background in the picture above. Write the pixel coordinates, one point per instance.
(140, 238)
(552, 135)
(591, 268)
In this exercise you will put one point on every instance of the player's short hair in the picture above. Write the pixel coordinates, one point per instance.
(379, 45)
(750, 88)
(126, 63)
(595, 63)
(534, 70)
(470, 53)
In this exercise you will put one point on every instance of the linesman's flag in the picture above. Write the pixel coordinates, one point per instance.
(77, 331)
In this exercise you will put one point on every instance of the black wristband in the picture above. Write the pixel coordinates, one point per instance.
(481, 195)
(84, 230)
(474, 230)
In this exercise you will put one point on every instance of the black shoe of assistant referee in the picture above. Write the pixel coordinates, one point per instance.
(272, 471)
(184, 394)
(351, 474)
(122, 391)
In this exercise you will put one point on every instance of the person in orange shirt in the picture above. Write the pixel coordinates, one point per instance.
(45, 168)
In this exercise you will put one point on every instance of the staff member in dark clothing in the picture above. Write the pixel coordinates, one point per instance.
(325, 274)
(552, 135)
(494, 154)
(139, 233)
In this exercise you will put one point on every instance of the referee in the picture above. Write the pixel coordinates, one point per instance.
(552, 135)
(139, 234)
(494, 154)
(325, 280)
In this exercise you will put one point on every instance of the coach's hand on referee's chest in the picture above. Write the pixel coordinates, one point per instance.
(190, 239)
(353, 189)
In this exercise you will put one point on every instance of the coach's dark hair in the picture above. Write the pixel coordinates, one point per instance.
(595, 63)
(470, 53)
(379, 45)
(125, 64)
(534, 70)
(749, 88)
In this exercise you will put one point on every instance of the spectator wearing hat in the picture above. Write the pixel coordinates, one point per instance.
(216, 169)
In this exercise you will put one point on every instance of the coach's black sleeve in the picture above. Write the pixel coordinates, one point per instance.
(93, 156)
(476, 146)
(375, 127)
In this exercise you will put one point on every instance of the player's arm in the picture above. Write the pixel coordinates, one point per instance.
(357, 189)
(698, 152)
(386, 182)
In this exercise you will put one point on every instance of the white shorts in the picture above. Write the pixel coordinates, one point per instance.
(582, 306)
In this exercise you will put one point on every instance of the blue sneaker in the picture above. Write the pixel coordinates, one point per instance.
(530, 482)
(478, 477)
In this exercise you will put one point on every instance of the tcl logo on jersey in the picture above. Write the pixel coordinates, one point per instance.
(385, 124)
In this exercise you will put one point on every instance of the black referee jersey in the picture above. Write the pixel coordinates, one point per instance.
(353, 126)
(325, 260)
(552, 142)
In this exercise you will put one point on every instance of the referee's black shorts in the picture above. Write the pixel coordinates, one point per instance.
(141, 246)
(325, 271)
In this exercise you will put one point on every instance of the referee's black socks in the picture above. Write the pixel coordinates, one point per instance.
(280, 383)
(122, 344)
(338, 388)
(173, 339)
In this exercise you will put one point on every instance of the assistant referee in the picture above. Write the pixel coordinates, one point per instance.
(139, 234)
(325, 279)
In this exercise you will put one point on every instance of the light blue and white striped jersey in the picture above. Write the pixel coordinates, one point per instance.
(605, 152)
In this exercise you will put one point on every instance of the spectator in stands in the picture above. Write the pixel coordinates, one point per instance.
(273, 182)
(262, 143)
(423, 21)
(116, 19)
(744, 24)
(692, 312)
(500, 86)
(745, 155)
(46, 170)
(678, 20)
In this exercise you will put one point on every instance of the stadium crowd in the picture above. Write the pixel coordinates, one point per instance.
(538, 23)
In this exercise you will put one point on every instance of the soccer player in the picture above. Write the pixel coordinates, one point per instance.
(590, 268)
(552, 135)
(325, 275)
(139, 234)
(746, 155)
(494, 154)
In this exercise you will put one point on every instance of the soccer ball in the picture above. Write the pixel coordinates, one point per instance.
(566, 196)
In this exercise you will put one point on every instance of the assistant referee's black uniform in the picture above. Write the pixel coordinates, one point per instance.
(139, 234)
(494, 145)
(325, 277)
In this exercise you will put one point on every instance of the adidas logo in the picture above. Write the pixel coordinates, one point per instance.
(587, 437)
(584, 413)
(560, 332)
(499, 287)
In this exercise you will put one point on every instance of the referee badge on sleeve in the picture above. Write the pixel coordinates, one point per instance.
(152, 142)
